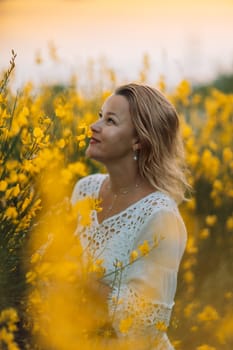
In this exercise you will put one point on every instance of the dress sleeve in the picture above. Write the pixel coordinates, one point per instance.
(146, 293)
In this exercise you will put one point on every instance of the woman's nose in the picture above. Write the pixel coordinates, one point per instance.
(96, 127)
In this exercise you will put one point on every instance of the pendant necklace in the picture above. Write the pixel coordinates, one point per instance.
(122, 191)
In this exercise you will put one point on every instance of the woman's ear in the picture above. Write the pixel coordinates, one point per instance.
(136, 146)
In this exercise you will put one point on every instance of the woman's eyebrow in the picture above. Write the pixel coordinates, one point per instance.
(112, 113)
(108, 113)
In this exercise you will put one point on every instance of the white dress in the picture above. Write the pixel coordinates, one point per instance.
(144, 290)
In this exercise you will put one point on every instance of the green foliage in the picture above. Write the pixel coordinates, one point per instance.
(223, 82)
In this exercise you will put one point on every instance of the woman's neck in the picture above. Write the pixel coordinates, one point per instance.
(123, 177)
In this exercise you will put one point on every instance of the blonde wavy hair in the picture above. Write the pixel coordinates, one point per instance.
(161, 156)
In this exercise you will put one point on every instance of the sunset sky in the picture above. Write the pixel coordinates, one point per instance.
(183, 38)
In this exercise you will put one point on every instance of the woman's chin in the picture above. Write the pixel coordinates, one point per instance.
(90, 154)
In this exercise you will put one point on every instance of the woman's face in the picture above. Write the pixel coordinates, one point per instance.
(113, 134)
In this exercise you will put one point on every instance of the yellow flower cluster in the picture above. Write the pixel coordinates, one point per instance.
(125, 325)
(8, 321)
(43, 135)
(208, 314)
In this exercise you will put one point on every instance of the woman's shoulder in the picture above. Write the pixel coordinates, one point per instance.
(157, 201)
(161, 215)
(152, 207)
(158, 205)
(87, 186)
(90, 180)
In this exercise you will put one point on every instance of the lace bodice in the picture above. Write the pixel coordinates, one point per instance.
(144, 290)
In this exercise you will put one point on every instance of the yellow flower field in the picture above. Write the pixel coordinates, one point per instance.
(43, 284)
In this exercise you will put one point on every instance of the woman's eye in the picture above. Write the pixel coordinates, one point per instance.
(110, 120)
(107, 119)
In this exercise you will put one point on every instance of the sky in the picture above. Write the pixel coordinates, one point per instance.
(183, 38)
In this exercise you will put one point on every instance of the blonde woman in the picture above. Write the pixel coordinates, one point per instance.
(137, 138)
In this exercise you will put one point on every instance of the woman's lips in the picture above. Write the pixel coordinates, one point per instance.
(94, 140)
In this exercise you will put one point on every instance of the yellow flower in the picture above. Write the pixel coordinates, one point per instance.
(97, 205)
(205, 347)
(99, 261)
(89, 133)
(228, 295)
(30, 276)
(35, 258)
(229, 223)
(60, 112)
(156, 241)
(210, 164)
(61, 143)
(66, 175)
(22, 117)
(83, 209)
(15, 190)
(204, 233)
(183, 91)
(9, 315)
(191, 245)
(97, 267)
(66, 133)
(12, 327)
(26, 202)
(82, 126)
(125, 325)
(12, 164)
(191, 204)
(82, 144)
(144, 248)
(108, 333)
(106, 94)
(213, 145)
(189, 310)
(118, 264)
(99, 270)
(81, 137)
(193, 159)
(227, 154)
(13, 177)
(211, 220)
(38, 133)
(78, 168)
(62, 271)
(186, 131)
(133, 256)
(3, 185)
(11, 212)
(5, 336)
(196, 99)
(189, 277)
(22, 178)
(217, 185)
(162, 83)
(209, 313)
(161, 326)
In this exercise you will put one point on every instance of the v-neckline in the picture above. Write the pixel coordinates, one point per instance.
(122, 211)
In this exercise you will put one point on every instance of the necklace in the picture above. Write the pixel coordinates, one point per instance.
(122, 191)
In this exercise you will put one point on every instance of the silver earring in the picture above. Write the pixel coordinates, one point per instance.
(135, 156)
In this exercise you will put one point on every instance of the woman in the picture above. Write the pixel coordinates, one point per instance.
(137, 139)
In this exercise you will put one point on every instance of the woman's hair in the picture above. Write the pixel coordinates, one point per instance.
(161, 156)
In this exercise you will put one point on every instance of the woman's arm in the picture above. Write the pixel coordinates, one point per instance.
(147, 292)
